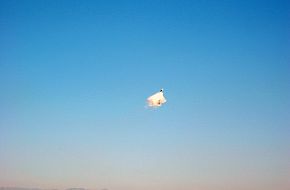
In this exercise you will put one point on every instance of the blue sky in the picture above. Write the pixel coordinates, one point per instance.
(74, 77)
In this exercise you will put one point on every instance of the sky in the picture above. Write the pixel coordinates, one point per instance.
(75, 75)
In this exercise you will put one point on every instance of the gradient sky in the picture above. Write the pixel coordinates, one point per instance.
(74, 77)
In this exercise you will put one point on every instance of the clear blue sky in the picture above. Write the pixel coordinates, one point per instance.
(74, 77)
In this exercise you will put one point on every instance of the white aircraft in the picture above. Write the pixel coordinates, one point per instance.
(157, 99)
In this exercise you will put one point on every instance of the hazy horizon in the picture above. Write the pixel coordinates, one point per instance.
(39, 188)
